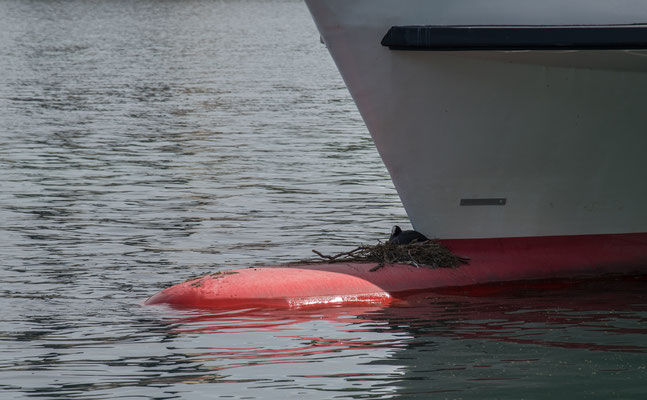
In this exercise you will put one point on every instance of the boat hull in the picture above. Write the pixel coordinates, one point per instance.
(504, 261)
(500, 144)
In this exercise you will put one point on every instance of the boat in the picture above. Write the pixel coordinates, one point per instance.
(512, 130)
(515, 133)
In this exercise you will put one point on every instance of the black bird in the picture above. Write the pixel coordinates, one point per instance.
(398, 236)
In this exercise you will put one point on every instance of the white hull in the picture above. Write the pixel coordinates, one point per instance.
(561, 136)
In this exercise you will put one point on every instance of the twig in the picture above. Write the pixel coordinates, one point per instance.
(323, 255)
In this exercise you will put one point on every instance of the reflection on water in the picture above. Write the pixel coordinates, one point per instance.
(574, 340)
(144, 142)
(515, 342)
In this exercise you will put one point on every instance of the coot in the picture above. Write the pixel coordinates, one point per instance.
(398, 236)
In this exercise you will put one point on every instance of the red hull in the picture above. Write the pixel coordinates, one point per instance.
(491, 261)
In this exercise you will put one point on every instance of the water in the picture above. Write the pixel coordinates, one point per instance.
(145, 142)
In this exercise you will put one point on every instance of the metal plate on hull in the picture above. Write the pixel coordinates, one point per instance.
(468, 38)
(483, 202)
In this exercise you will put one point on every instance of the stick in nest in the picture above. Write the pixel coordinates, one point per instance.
(430, 254)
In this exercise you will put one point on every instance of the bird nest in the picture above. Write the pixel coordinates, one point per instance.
(429, 254)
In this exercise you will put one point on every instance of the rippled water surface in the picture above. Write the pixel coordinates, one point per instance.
(145, 142)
